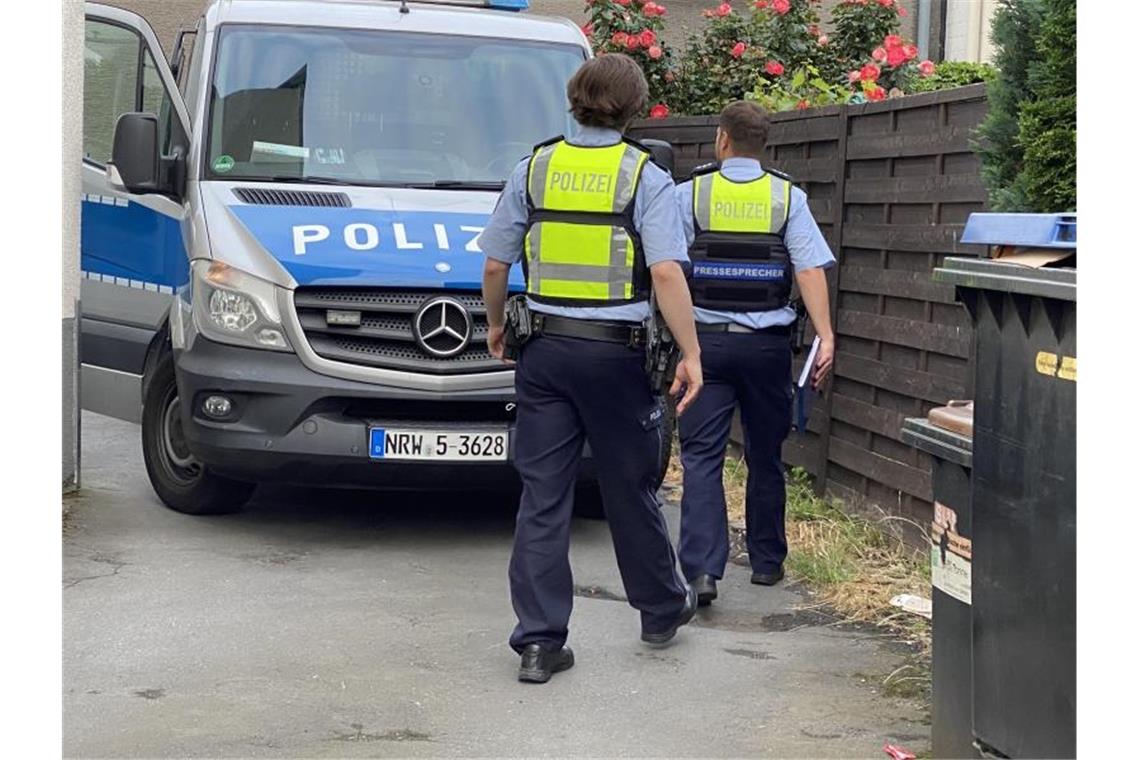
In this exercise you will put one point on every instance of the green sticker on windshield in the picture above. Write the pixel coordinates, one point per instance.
(223, 164)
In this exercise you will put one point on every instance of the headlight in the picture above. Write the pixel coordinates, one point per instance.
(233, 306)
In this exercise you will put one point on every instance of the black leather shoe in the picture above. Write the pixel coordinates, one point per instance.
(538, 665)
(768, 579)
(686, 614)
(706, 589)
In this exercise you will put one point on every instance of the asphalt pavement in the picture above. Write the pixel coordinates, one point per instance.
(371, 624)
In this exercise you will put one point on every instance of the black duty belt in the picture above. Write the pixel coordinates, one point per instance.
(733, 327)
(627, 333)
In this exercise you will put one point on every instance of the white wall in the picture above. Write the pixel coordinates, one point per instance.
(968, 30)
(72, 188)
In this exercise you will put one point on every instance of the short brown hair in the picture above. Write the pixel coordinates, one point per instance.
(608, 91)
(746, 125)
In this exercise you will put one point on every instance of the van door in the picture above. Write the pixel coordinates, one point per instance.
(132, 255)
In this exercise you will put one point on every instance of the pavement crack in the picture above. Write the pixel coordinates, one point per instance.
(598, 592)
(151, 693)
(358, 734)
(751, 654)
(115, 564)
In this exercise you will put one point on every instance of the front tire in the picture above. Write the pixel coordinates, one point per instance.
(182, 482)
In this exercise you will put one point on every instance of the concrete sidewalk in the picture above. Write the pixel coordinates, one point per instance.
(329, 624)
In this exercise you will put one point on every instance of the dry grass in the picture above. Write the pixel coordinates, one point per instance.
(852, 565)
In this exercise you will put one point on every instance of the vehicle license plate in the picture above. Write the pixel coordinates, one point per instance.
(437, 445)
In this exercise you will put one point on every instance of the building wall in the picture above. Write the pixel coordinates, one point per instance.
(968, 30)
(72, 188)
(683, 19)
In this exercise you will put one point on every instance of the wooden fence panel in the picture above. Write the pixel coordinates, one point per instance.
(890, 185)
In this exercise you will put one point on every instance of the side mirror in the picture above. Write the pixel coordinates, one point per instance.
(662, 153)
(134, 155)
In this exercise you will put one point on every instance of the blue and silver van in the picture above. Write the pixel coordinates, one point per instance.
(279, 241)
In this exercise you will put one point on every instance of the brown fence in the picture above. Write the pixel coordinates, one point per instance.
(890, 185)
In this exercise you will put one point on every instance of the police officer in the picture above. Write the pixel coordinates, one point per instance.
(595, 225)
(750, 233)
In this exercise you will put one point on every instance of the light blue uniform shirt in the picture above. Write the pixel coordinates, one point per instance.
(804, 241)
(655, 217)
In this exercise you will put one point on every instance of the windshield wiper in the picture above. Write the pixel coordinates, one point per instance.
(458, 184)
(310, 179)
(441, 184)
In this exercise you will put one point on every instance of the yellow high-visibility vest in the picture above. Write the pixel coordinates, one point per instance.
(581, 248)
(758, 206)
(739, 261)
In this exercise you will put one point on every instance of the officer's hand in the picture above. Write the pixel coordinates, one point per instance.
(824, 358)
(689, 377)
(495, 338)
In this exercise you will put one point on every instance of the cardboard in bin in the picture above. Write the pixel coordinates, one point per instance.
(1032, 240)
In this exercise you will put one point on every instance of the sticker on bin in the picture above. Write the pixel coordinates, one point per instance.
(438, 445)
(950, 555)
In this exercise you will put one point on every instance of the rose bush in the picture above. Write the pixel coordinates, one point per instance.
(720, 64)
(633, 27)
(804, 88)
(860, 27)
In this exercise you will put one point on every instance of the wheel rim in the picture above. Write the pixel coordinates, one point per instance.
(177, 459)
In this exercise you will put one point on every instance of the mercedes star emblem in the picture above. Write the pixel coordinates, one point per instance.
(442, 327)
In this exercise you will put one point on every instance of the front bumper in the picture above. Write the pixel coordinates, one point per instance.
(291, 424)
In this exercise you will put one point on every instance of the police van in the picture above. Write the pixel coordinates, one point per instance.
(281, 271)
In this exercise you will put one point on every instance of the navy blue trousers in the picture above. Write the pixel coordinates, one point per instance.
(571, 391)
(753, 371)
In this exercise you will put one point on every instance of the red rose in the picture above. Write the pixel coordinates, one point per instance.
(926, 68)
(886, 3)
(895, 57)
(879, 54)
(892, 40)
(761, 4)
(622, 2)
(632, 42)
(802, 105)
(781, 6)
(775, 68)
(876, 93)
(823, 40)
(900, 10)
(651, 9)
(911, 51)
(620, 38)
(869, 73)
(723, 10)
(588, 29)
(648, 38)
(655, 52)
(738, 49)
(659, 111)
(853, 76)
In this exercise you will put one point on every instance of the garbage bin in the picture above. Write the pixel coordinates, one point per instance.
(946, 434)
(1024, 483)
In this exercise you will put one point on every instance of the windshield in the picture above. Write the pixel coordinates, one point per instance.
(371, 107)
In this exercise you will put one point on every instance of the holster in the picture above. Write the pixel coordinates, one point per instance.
(519, 327)
(661, 356)
(798, 326)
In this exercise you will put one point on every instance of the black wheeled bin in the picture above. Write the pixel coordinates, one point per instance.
(1024, 487)
(946, 434)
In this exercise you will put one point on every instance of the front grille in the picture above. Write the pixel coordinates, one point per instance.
(385, 337)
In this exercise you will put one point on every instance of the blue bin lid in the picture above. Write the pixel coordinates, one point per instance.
(1031, 230)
